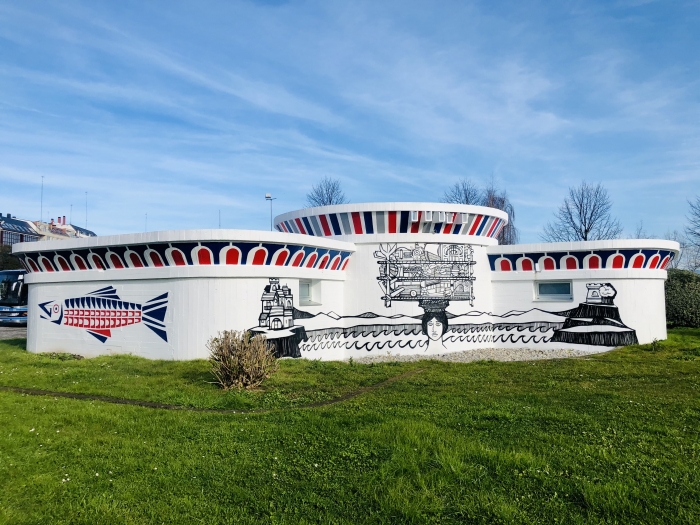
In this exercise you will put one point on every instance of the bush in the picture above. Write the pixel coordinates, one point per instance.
(683, 299)
(240, 360)
(7, 260)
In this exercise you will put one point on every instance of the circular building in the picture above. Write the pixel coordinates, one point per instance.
(344, 281)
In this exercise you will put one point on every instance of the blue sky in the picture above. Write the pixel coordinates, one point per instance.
(182, 109)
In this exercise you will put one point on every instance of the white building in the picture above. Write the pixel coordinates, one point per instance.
(405, 278)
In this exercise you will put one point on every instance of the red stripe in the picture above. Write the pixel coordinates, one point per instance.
(447, 228)
(500, 229)
(475, 226)
(416, 225)
(324, 224)
(300, 225)
(495, 222)
(357, 222)
(283, 227)
(392, 222)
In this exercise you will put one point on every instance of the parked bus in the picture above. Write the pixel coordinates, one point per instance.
(13, 298)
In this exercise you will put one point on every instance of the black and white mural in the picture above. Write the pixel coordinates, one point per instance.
(433, 276)
(276, 320)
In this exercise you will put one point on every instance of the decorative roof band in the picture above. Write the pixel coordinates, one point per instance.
(193, 253)
(400, 221)
(608, 259)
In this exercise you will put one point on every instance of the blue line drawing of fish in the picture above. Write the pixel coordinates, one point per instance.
(102, 310)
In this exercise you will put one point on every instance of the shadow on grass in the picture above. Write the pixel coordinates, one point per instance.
(197, 377)
(17, 343)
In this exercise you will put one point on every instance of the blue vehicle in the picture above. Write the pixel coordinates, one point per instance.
(13, 298)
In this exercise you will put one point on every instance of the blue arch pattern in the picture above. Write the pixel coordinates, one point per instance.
(581, 255)
(186, 248)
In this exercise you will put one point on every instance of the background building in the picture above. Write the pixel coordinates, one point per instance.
(14, 230)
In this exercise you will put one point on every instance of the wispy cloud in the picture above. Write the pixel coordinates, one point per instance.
(181, 112)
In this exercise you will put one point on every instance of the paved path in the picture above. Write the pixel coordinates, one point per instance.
(7, 332)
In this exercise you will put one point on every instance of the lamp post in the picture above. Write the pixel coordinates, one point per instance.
(269, 197)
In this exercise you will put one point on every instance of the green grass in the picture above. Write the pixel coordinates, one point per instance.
(186, 383)
(613, 438)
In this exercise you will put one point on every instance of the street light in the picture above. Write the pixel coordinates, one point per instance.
(269, 197)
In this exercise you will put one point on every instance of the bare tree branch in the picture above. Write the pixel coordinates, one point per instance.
(693, 228)
(326, 193)
(463, 192)
(640, 232)
(584, 216)
(466, 192)
(495, 198)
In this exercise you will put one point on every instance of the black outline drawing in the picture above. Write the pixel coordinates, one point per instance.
(276, 320)
(432, 274)
(426, 272)
(596, 321)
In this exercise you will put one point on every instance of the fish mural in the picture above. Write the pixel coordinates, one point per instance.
(102, 310)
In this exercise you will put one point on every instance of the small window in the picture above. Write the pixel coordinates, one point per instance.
(554, 291)
(304, 291)
(309, 292)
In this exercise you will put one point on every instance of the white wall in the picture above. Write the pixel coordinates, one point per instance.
(640, 295)
(198, 308)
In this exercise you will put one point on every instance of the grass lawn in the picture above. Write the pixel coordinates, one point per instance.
(613, 438)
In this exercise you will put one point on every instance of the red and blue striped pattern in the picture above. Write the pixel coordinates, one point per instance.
(382, 222)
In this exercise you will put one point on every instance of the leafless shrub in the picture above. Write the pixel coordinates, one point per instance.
(240, 360)
(326, 193)
(584, 216)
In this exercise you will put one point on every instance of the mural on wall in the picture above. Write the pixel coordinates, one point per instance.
(595, 322)
(101, 311)
(426, 272)
(432, 274)
(276, 320)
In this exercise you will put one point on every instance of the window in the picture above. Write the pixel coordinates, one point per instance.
(309, 292)
(304, 291)
(554, 291)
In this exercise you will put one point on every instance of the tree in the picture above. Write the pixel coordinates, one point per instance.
(7, 260)
(466, 192)
(326, 193)
(495, 198)
(463, 192)
(693, 228)
(688, 257)
(584, 216)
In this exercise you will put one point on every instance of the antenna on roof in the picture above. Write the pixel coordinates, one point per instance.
(86, 210)
(41, 218)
